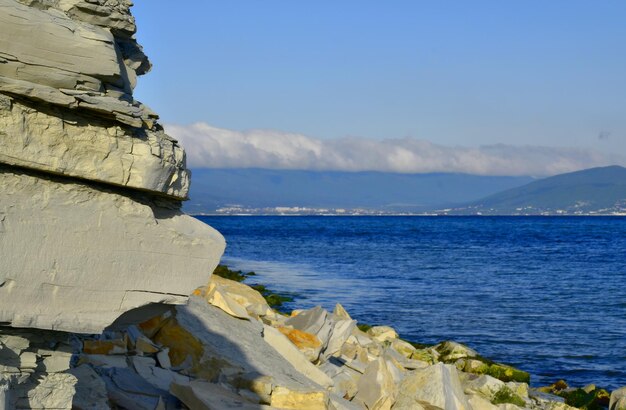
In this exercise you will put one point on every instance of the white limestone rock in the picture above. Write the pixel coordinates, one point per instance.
(484, 385)
(216, 296)
(128, 390)
(437, 385)
(238, 346)
(376, 387)
(91, 391)
(73, 53)
(83, 255)
(244, 295)
(618, 399)
(53, 391)
(294, 356)
(341, 331)
(200, 395)
(160, 378)
(339, 403)
(479, 402)
(47, 47)
(382, 333)
(450, 351)
(64, 143)
(315, 321)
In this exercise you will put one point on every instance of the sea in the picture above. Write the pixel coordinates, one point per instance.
(544, 294)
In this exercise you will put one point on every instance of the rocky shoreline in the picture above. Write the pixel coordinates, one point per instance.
(228, 348)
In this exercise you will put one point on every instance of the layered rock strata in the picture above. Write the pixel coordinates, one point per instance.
(90, 185)
(90, 196)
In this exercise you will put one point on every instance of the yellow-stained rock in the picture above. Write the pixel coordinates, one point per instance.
(181, 343)
(217, 297)
(145, 345)
(309, 344)
(114, 346)
(260, 385)
(300, 338)
(151, 326)
(242, 293)
(284, 398)
(201, 291)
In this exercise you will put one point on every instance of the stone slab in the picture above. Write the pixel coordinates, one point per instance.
(80, 255)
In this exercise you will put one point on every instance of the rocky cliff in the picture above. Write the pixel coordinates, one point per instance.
(91, 186)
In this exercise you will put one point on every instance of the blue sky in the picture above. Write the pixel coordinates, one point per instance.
(470, 74)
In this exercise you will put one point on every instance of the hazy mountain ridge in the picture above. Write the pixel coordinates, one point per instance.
(587, 192)
(263, 190)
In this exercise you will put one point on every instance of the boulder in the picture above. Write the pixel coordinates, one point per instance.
(315, 321)
(285, 398)
(307, 343)
(109, 253)
(52, 391)
(484, 385)
(345, 383)
(103, 361)
(91, 391)
(499, 371)
(376, 387)
(127, 389)
(339, 403)
(205, 342)
(199, 395)
(340, 313)
(160, 378)
(479, 402)
(402, 362)
(286, 348)
(406, 349)
(437, 385)
(220, 299)
(382, 333)
(451, 351)
(341, 331)
(618, 399)
(113, 346)
(242, 293)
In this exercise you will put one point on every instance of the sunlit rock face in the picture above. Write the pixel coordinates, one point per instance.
(90, 185)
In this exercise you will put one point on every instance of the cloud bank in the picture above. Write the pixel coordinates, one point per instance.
(211, 147)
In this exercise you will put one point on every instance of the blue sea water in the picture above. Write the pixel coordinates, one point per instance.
(545, 294)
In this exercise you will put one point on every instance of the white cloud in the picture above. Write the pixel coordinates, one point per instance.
(211, 147)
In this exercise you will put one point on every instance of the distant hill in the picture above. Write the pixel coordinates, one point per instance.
(212, 189)
(591, 191)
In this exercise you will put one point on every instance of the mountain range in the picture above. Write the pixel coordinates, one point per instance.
(214, 189)
(591, 191)
(263, 191)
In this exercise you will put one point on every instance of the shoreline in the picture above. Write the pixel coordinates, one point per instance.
(589, 396)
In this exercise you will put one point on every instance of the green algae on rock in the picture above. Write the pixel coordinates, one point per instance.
(274, 300)
(506, 395)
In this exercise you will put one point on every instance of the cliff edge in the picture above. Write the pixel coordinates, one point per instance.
(90, 185)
